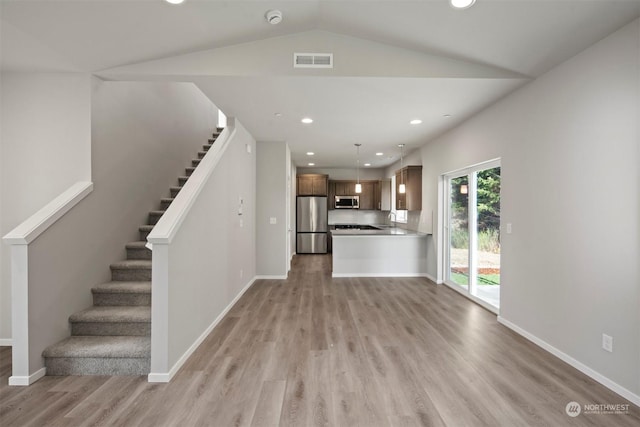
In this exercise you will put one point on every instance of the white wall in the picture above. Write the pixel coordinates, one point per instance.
(357, 216)
(271, 202)
(46, 147)
(143, 136)
(212, 257)
(569, 146)
(5, 293)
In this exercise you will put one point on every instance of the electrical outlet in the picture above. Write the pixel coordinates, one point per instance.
(273, 220)
(508, 228)
(607, 343)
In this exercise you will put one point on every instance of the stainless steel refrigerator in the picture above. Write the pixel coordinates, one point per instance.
(311, 221)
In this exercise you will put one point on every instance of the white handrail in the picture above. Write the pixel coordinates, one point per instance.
(37, 223)
(19, 239)
(167, 227)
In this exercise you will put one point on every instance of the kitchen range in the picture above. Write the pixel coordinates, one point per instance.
(355, 227)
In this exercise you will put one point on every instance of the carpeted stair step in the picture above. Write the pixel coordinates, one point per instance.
(112, 321)
(195, 162)
(131, 271)
(122, 294)
(154, 217)
(138, 250)
(165, 202)
(182, 180)
(206, 147)
(174, 191)
(99, 355)
(189, 170)
(144, 231)
(211, 141)
(201, 154)
(219, 130)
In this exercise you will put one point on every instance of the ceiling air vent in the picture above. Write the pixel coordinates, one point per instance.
(313, 60)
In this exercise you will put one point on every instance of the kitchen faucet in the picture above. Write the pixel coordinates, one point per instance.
(394, 216)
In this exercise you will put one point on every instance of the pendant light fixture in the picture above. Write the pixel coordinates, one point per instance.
(402, 189)
(358, 185)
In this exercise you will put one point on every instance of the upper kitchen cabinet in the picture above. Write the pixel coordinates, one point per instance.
(312, 185)
(411, 200)
(375, 195)
(345, 188)
(368, 195)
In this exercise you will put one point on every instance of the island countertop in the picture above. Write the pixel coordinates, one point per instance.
(391, 251)
(385, 231)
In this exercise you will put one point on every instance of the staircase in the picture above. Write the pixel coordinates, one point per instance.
(113, 337)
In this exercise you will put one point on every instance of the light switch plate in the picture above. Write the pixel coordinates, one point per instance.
(273, 220)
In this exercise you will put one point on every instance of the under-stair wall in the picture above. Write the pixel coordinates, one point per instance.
(143, 136)
(204, 252)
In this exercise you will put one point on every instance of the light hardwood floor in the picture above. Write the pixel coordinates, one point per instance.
(313, 350)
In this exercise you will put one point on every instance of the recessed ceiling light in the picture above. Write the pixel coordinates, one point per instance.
(379, 154)
(174, 1)
(310, 153)
(446, 116)
(277, 114)
(367, 164)
(307, 120)
(415, 121)
(311, 164)
(462, 4)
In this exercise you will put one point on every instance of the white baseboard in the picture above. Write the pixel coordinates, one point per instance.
(24, 380)
(433, 279)
(165, 377)
(611, 385)
(267, 277)
(378, 275)
(6, 342)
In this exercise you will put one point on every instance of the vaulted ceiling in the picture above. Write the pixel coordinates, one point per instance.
(395, 60)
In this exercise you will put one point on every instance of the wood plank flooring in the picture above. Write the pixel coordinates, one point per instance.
(317, 351)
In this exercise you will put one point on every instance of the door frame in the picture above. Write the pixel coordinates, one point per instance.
(445, 179)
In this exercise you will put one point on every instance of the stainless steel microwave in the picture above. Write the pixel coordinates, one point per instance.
(347, 202)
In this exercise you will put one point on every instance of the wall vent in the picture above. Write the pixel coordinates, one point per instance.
(313, 60)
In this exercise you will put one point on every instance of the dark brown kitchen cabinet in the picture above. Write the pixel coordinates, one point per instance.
(345, 188)
(370, 198)
(331, 195)
(411, 177)
(367, 197)
(312, 185)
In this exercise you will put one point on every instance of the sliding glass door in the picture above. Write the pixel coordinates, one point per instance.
(473, 232)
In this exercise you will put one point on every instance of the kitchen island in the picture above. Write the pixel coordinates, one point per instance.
(389, 251)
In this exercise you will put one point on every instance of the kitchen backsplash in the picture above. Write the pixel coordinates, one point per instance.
(355, 216)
